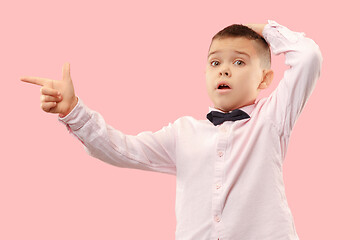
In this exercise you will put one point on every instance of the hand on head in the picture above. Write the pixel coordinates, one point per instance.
(258, 28)
(57, 96)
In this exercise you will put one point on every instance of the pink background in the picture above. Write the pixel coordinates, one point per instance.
(150, 55)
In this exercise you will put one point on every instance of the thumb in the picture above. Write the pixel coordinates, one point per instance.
(66, 72)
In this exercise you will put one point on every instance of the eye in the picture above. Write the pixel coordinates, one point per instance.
(239, 62)
(214, 63)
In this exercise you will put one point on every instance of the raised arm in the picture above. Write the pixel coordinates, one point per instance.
(304, 58)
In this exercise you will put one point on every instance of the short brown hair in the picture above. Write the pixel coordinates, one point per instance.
(261, 46)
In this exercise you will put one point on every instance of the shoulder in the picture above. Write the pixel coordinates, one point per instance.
(263, 111)
(259, 107)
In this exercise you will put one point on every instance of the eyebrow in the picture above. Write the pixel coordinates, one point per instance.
(239, 52)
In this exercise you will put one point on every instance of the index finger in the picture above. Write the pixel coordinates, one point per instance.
(35, 80)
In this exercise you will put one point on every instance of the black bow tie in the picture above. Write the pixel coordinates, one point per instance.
(218, 117)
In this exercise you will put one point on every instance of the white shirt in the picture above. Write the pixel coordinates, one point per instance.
(229, 180)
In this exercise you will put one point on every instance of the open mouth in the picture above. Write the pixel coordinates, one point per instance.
(223, 86)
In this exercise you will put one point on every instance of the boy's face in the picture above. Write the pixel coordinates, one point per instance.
(233, 73)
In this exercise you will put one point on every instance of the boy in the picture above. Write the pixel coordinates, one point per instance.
(229, 182)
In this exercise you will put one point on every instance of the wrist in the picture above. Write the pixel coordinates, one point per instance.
(72, 106)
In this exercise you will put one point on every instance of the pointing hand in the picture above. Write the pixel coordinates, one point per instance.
(56, 96)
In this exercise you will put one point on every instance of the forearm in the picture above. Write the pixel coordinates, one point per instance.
(147, 151)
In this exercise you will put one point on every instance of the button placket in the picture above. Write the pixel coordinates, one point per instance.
(219, 171)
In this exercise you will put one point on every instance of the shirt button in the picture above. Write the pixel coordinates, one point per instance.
(218, 186)
(217, 218)
(220, 153)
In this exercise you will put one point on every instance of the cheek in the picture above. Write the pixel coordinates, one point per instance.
(208, 84)
(209, 72)
(209, 78)
(254, 78)
(245, 79)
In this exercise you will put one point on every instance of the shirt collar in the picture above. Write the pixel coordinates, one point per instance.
(248, 109)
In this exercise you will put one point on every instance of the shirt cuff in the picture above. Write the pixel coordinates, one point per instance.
(280, 37)
(77, 117)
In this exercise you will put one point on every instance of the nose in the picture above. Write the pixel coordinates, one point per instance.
(225, 72)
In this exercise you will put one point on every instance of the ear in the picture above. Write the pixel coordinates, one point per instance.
(267, 78)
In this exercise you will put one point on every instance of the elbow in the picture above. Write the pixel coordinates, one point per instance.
(312, 55)
(307, 58)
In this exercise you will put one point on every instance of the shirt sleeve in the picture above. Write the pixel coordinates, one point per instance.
(304, 58)
(146, 151)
